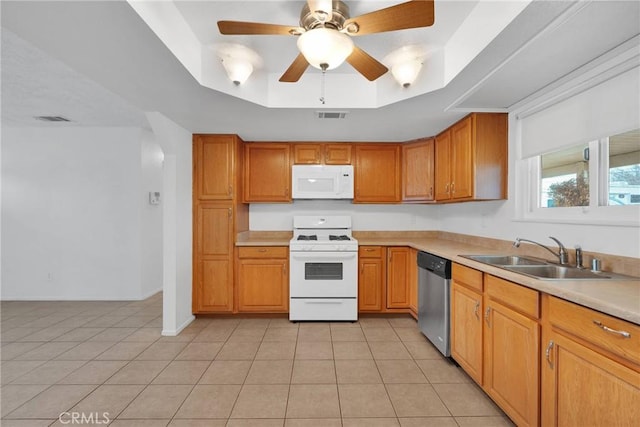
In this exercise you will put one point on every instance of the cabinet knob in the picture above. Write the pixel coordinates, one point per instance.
(453, 187)
(446, 188)
(230, 190)
(475, 310)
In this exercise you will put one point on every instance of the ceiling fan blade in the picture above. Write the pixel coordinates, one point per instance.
(365, 64)
(295, 70)
(412, 14)
(238, 27)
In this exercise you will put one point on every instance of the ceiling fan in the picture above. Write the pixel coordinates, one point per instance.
(325, 32)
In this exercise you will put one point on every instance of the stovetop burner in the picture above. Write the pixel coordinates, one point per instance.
(342, 237)
(309, 237)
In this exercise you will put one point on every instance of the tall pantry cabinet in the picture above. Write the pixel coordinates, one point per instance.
(218, 215)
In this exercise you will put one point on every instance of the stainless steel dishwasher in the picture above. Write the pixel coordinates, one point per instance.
(434, 291)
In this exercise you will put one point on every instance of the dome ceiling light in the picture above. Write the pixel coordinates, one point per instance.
(238, 61)
(406, 63)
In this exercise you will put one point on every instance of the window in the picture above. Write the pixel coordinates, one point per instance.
(564, 178)
(596, 182)
(624, 169)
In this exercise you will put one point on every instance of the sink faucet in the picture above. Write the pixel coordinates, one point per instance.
(563, 256)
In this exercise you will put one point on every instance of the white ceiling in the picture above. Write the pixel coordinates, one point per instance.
(98, 62)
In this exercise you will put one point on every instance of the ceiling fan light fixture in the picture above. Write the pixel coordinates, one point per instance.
(325, 48)
(406, 72)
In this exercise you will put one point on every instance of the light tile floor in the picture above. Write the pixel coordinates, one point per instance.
(107, 361)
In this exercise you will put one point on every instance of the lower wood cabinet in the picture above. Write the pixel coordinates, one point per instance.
(263, 279)
(466, 320)
(398, 277)
(495, 337)
(386, 280)
(511, 349)
(590, 375)
(371, 278)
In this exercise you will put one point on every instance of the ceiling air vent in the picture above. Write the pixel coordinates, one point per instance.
(52, 118)
(331, 114)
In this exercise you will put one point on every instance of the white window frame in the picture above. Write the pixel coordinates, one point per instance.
(599, 212)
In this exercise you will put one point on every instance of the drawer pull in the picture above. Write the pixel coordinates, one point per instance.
(487, 312)
(547, 353)
(599, 324)
(262, 250)
(475, 310)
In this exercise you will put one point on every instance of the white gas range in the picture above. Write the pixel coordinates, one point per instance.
(323, 279)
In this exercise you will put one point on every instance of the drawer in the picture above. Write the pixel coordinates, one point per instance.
(370, 251)
(520, 298)
(467, 276)
(263, 252)
(337, 309)
(591, 326)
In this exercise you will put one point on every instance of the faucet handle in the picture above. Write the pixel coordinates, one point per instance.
(579, 257)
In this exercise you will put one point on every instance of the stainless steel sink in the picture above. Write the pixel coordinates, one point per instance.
(505, 260)
(555, 272)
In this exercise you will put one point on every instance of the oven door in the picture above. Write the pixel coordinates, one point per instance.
(323, 274)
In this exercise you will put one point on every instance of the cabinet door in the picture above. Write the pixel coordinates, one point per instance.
(418, 171)
(371, 284)
(267, 173)
(511, 362)
(307, 154)
(466, 330)
(397, 278)
(413, 281)
(214, 291)
(462, 160)
(215, 232)
(443, 165)
(263, 285)
(213, 166)
(337, 154)
(581, 387)
(377, 173)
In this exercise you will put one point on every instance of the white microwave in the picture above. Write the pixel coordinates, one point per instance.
(322, 182)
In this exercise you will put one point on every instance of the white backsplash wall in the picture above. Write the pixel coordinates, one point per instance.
(277, 217)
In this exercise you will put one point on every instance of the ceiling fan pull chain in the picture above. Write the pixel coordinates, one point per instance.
(324, 72)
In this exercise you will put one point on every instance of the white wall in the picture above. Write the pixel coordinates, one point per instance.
(177, 230)
(151, 161)
(364, 217)
(71, 214)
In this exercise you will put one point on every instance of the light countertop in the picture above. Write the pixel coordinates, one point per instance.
(619, 298)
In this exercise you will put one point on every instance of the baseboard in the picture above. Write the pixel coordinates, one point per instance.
(74, 298)
(173, 333)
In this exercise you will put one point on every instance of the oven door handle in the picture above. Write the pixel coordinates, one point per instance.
(324, 256)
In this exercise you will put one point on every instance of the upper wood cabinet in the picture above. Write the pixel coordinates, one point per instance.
(471, 159)
(214, 166)
(418, 171)
(377, 173)
(267, 172)
(316, 154)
